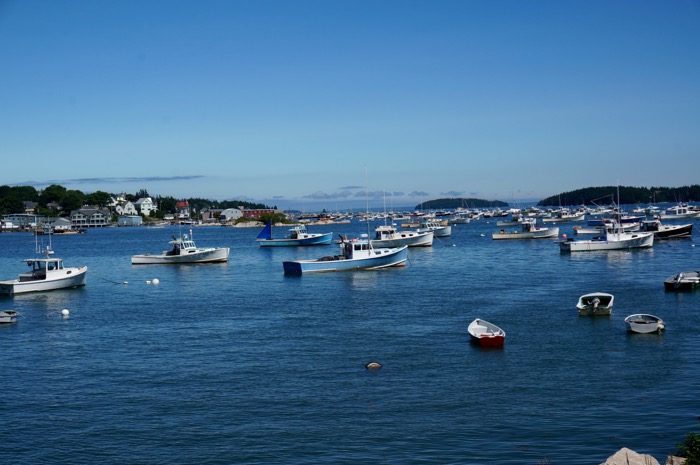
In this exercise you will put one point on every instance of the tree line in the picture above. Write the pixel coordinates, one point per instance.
(12, 200)
(607, 195)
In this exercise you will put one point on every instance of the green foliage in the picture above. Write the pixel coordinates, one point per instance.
(99, 198)
(459, 203)
(690, 448)
(11, 198)
(273, 218)
(53, 193)
(607, 195)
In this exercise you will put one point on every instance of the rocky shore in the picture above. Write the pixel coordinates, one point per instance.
(627, 456)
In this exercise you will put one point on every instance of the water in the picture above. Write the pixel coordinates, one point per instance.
(236, 363)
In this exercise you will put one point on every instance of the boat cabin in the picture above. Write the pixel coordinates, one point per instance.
(298, 232)
(181, 246)
(40, 267)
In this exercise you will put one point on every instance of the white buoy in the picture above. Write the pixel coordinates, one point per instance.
(483, 235)
(373, 366)
(65, 312)
(148, 281)
(156, 281)
(125, 282)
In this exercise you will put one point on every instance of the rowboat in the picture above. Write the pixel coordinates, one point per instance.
(595, 303)
(645, 323)
(486, 334)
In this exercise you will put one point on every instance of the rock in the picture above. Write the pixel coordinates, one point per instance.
(673, 460)
(627, 456)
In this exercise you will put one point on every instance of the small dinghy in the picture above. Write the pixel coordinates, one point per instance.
(8, 316)
(595, 303)
(486, 334)
(644, 323)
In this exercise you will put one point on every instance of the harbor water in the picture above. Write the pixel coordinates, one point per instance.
(238, 363)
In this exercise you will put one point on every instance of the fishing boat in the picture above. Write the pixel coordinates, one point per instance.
(667, 231)
(437, 227)
(611, 240)
(486, 334)
(529, 230)
(8, 316)
(183, 250)
(683, 281)
(47, 274)
(355, 254)
(679, 212)
(644, 323)
(389, 236)
(565, 217)
(595, 303)
(601, 226)
(298, 236)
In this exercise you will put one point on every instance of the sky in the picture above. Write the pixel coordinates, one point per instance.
(307, 104)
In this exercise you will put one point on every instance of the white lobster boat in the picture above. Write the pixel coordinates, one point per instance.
(46, 274)
(184, 250)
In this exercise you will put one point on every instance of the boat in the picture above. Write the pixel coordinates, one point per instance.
(389, 236)
(683, 281)
(595, 303)
(667, 231)
(529, 230)
(183, 250)
(678, 212)
(564, 217)
(644, 323)
(8, 316)
(486, 334)
(601, 226)
(298, 236)
(438, 228)
(612, 240)
(355, 254)
(46, 274)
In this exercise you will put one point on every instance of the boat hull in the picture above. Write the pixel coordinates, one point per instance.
(616, 241)
(396, 257)
(321, 239)
(8, 316)
(674, 232)
(73, 277)
(212, 255)
(595, 304)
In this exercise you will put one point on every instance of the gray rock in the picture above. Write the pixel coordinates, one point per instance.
(627, 456)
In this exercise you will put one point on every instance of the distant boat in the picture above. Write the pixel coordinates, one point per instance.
(355, 254)
(438, 228)
(298, 236)
(183, 250)
(529, 230)
(486, 334)
(667, 231)
(680, 211)
(564, 217)
(596, 303)
(683, 281)
(645, 323)
(46, 274)
(389, 236)
(8, 316)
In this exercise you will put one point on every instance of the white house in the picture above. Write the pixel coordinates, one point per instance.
(145, 205)
(127, 209)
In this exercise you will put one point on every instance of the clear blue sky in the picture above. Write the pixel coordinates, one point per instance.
(290, 101)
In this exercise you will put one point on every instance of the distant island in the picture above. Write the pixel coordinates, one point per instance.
(439, 204)
(607, 195)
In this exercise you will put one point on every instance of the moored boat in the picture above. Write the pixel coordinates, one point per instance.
(183, 250)
(667, 231)
(486, 334)
(595, 303)
(46, 274)
(683, 281)
(8, 316)
(389, 236)
(298, 236)
(610, 241)
(355, 254)
(437, 227)
(529, 230)
(645, 323)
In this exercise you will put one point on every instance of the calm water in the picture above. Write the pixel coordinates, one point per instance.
(236, 363)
